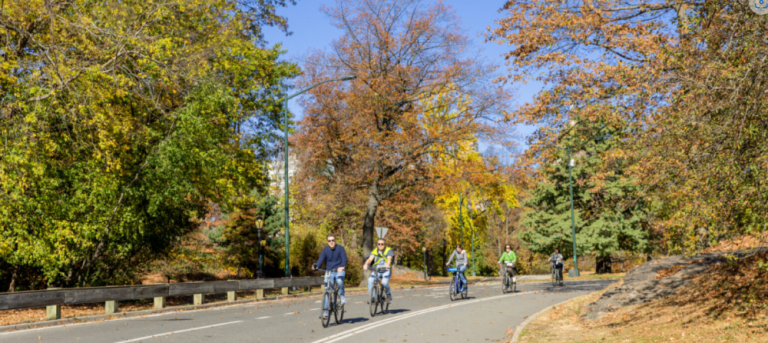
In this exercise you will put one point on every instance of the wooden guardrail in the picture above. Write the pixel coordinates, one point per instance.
(52, 299)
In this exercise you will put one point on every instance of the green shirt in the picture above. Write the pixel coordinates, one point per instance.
(508, 257)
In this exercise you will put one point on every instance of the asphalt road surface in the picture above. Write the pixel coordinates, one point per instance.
(417, 315)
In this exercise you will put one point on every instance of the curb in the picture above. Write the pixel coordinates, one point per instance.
(140, 313)
(522, 326)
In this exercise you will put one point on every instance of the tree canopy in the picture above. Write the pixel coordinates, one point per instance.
(121, 120)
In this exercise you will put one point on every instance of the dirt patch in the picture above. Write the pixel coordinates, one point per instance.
(669, 271)
(740, 243)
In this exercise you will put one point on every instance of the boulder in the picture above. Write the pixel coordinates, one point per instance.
(641, 284)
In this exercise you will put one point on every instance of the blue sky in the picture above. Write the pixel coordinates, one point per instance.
(312, 30)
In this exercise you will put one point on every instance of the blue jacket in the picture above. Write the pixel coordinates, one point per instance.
(333, 258)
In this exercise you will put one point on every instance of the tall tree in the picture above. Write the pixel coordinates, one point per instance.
(605, 223)
(120, 121)
(368, 135)
(687, 76)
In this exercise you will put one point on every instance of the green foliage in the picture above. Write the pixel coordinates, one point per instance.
(216, 236)
(608, 218)
(240, 238)
(115, 138)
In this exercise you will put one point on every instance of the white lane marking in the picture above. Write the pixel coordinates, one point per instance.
(314, 309)
(317, 302)
(358, 302)
(349, 333)
(179, 331)
(290, 313)
(263, 317)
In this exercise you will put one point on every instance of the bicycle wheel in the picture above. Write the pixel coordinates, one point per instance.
(326, 300)
(504, 283)
(338, 311)
(452, 292)
(554, 277)
(465, 294)
(374, 300)
(513, 282)
(384, 302)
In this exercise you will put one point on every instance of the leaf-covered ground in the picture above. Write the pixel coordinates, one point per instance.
(729, 303)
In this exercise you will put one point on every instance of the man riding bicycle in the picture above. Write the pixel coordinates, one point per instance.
(335, 258)
(381, 256)
(461, 263)
(508, 257)
(556, 261)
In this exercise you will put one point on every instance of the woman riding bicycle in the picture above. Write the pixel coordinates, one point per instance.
(508, 257)
(461, 263)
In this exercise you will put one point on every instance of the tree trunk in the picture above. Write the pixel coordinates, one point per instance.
(603, 264)
(14, 276)
(429, 261)
(445, 259)
(368, 225)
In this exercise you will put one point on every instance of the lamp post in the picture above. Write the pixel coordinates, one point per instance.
(424, 252)
(285, 131)
(259, 227)
(573, 220)
(570, 186)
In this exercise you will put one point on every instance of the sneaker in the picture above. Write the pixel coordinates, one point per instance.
(389, 298)
(325, 314)
(343, 300)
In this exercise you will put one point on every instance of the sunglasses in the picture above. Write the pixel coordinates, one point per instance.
(331, 240)
(379, 244)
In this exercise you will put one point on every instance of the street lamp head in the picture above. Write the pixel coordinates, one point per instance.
(259, 222)
(423, 249)
(348, 77)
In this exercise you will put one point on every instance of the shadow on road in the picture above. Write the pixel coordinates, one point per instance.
(399, 311)
(354, 320)
(574, 286)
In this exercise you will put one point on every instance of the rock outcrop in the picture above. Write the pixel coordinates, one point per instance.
(644, 284)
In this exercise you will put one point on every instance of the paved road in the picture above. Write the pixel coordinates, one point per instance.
(419, 315)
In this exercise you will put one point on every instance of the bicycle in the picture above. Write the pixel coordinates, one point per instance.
(378, 293)
(557, 274)
(509, 282)
(456, 285)
(331, 301)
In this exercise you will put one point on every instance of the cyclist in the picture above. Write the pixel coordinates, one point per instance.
(335, 258)
(461, 264)
(382, 255)
(508, 256)
(556, 261)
